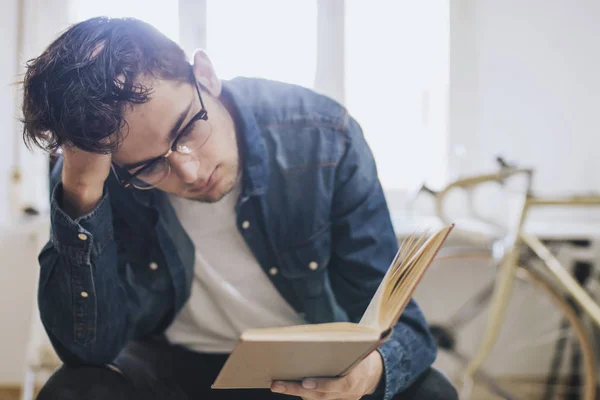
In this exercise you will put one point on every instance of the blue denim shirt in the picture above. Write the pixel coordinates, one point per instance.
(310, 195)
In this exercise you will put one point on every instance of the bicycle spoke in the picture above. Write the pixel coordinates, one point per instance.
(556, 362)
(471, 308)
(551, 325)
(543, 340)
(488, 379)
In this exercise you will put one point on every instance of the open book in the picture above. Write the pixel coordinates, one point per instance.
(331, 349)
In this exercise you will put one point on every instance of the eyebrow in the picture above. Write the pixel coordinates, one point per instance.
(170, 137)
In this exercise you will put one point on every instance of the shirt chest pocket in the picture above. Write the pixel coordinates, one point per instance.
(143, 267)
(305, 265)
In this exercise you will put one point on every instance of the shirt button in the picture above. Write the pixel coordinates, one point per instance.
(273, 271)
(84, 294)
(313, 265)
(82, 236)
(245, 224)
(153, 266)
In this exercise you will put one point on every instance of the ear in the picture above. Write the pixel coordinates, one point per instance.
(205, 73)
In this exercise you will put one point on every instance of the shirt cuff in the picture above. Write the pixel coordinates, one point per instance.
(79, 238)
(395, 367)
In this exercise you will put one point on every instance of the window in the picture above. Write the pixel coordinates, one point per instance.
(395, 66)
(163, 15)
(396, 85)
(273, 39)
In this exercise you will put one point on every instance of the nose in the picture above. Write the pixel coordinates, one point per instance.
(185, 167)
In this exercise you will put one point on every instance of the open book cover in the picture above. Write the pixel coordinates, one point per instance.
(293, 353)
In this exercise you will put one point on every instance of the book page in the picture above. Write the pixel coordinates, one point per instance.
(405, 282)
(372, 315)
(412, 246)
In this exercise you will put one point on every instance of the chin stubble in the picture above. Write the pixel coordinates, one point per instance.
(202, 199)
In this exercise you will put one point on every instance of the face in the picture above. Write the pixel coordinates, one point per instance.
(206, 174)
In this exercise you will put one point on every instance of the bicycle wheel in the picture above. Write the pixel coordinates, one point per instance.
(542, 351)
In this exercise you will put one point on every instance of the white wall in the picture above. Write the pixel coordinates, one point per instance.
(525, 78)
(18, 267)
(539, 87)
(19, 244)
(463, 110)
(525, 85)
(19, 248)
(8, 30)
(45, 20)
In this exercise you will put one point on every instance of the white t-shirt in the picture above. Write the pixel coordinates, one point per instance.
(230, 291)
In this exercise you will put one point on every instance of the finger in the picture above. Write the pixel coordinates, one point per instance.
(328, 385)
(296, 389)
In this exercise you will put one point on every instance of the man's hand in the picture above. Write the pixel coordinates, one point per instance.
(361, 381)
(83, 177)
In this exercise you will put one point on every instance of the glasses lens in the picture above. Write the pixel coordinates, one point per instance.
(196, 138)
(153, 175)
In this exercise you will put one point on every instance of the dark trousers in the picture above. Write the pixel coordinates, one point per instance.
(158, 370)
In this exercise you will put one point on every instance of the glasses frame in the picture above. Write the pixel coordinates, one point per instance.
(200, 115)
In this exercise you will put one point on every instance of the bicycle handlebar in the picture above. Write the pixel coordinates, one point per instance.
(468, 183)
(505, 170)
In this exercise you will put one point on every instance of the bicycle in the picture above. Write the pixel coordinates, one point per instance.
(522, 265)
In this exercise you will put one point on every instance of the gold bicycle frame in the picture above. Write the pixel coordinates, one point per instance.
(508, 267)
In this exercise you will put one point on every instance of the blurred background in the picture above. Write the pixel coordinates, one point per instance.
(440, 87)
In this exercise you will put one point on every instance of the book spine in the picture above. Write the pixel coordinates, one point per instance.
(383, 338)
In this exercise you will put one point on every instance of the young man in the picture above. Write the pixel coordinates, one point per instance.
(186, 210)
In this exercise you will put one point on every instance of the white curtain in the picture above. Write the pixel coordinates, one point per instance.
(38, 22)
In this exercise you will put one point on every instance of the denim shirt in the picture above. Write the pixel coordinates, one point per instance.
(311, 206)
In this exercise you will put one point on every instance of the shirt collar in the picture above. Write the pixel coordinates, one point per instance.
(251, 144)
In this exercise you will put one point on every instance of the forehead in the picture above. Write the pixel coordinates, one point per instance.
(147, 125)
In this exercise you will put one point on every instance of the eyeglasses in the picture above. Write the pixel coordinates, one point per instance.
(191, 138)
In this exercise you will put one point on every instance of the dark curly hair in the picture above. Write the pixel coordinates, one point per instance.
(75, 92)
